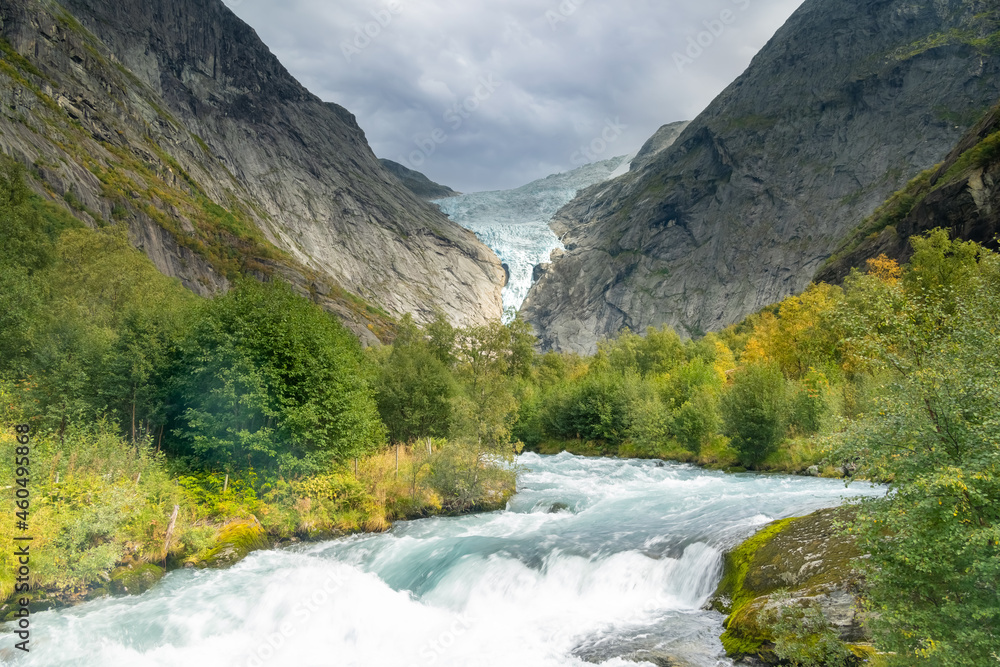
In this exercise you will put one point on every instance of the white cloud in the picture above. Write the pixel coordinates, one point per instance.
(534, 80)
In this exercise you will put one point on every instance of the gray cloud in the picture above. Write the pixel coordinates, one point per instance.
(489, 94)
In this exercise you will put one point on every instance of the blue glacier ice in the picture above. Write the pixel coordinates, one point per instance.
(515, 223)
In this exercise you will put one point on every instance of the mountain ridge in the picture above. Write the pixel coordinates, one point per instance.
(173, 118)
(418, 183)
(839, 110)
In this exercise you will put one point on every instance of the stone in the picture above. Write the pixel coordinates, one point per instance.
(790, 563)
(135, 578)
(417, 183)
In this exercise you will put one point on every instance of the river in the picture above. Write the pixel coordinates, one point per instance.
(593, 560)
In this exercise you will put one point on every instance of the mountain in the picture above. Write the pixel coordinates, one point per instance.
(845, 104)
(173, 118)
(962, 195)
(663, 139)
(515, 223)
(416, 182)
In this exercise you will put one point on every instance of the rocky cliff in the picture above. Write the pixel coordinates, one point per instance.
(846, 103)
(962, 195)
(417, 183)
(172, 117)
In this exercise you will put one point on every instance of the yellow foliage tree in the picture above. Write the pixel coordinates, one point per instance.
(885, 269)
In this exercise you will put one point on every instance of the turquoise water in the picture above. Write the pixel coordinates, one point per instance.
(593, 560)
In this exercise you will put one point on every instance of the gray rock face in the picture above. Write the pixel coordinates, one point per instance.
(172, 117)
(663, 139)
(417, 183)
(962, 196)
(845, 104)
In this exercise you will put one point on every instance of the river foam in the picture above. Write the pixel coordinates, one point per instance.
(594, 559)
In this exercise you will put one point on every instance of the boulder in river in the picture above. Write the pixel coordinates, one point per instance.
(794, 584)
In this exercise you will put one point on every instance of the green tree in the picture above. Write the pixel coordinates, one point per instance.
(25, 251)
(753, 412)
(489, 360)
(415, 389)
(696, 420)
(934, 539)
(270, 380)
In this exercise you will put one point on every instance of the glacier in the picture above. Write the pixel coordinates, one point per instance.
(515, 223)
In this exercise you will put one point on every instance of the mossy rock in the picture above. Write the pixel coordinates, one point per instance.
(789, 554)
(40, 601)
(234, 542)
(134, 579)
(805, 559)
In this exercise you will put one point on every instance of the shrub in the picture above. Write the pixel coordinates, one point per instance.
(696, 421)
(753, 412)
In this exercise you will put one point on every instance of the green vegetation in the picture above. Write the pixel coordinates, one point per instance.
(170, 430)
(934, 542)
(917, 352)
(753, 412)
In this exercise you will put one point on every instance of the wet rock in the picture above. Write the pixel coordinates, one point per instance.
(134, 579)
(790, 564)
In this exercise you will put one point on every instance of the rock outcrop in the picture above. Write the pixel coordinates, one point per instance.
(663, 139)
(789, 568)
(846, 103)
(172, 117)
(961, 195)
(417, 183)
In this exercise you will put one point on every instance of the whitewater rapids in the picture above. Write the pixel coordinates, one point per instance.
(593, 559)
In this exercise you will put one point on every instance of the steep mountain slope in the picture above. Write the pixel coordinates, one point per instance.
(961, 195)
(173, 117)
(416, 182)
(515, 223)
(845, 104)
(661, 140)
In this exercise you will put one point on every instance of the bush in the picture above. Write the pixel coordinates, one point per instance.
(467, 479)
(804, 638)
(270, 381)
(696, 421)
(753, 412)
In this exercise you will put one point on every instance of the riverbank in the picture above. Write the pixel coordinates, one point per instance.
(107, 517)
(799, 456)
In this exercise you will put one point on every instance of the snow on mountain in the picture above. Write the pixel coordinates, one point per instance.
(515, 223)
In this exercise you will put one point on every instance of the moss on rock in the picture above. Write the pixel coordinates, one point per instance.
(791, 563)
(233, 543)
(134, 579)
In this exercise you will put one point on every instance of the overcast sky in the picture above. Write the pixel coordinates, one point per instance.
(492, 94)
